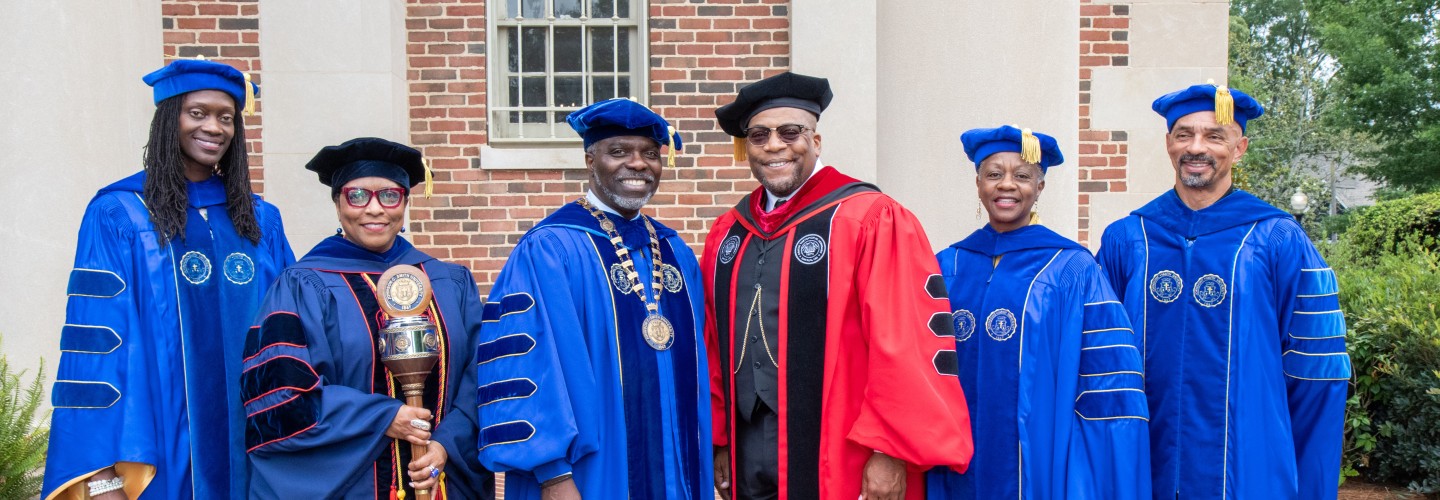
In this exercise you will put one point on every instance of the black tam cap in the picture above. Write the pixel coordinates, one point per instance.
(368, 157)
(785, 90)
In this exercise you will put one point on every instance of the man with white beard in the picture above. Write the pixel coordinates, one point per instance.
(592, 380)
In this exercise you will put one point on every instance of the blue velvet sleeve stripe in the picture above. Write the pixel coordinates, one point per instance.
(1111, 404)
(96, 283)
(88, 339)
(510, 345)
(1317, 282)
(1105, 316)
(279, 328)
(1111, 359)
(514, 303)
(1318, 326)
(517, 388)
(279, 400)
(1316, 366)
(506, 433)
(83, 394)
(1121, 379)
(1112, 378)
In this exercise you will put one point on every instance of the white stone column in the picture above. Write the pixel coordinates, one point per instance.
(333, 70)
(78, 117)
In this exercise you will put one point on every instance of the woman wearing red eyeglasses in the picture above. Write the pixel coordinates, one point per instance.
(324, 419)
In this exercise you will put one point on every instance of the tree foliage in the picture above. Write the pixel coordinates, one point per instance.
(1387, 83)
(1276, 56)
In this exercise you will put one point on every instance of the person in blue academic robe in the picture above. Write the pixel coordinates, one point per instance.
(1238, 317)
(324, 416)
(170, 266)
(1048, 360)
(580, 394)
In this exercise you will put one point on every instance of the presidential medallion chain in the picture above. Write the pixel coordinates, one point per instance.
(656, 329)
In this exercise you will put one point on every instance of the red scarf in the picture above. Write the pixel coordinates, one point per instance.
(824, 182)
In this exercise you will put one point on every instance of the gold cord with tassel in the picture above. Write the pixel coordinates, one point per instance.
(1224, 105)
(429, 179)
(670, 143)
(1029, 147)
(739, 152)
(249, 96)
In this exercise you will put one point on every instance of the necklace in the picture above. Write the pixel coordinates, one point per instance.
(656, 329)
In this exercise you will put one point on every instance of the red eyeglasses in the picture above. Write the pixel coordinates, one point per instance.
(360, 197)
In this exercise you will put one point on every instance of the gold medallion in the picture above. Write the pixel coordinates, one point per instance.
(403, 290)
(658, 332)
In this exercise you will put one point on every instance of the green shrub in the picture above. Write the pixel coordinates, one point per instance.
(1381, 227)
(1392, 428)
(22, 438)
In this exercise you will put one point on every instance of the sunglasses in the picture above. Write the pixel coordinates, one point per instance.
(360, 197)
(789, 133)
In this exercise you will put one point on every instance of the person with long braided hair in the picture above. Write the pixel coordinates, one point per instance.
(170, 266)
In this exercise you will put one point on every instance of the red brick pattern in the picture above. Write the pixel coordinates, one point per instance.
(1104, 42)
(699, 52)
(225, 31)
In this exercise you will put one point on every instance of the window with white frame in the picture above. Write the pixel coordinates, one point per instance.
(551, 57)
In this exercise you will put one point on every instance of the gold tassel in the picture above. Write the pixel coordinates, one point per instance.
(249, 96)
(429, 179)
(1224, 105)
(670, 143)
(739, 152)
(1029, 147)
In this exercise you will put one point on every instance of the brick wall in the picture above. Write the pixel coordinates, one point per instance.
(1104, 41)
(228, 32)
(699, 52)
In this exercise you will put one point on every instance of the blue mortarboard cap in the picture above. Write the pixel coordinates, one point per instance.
(369, 157)
(1229, 105)
(617, 117)
(1033, 147)
(189, 75)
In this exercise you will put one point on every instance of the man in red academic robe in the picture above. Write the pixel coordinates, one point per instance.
(831, 345)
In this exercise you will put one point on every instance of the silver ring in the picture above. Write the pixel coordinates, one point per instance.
(434, 472)
(419, 424)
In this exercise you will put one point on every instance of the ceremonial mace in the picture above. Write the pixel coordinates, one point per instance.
(408, 343)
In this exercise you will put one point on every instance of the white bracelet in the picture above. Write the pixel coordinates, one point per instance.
(101, 486)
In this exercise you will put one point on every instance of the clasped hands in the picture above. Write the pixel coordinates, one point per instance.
(420, 468)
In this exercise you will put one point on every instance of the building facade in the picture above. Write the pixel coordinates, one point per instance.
(482, 88)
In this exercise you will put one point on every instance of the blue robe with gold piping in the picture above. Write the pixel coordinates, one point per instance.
(1051, 366)
(1244, 343)
(151, 345)
(318, 399)
(569, 385)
